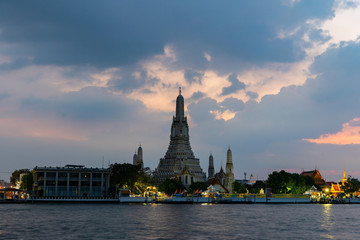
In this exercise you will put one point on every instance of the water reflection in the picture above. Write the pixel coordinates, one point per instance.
(327, 221)
(183, 221)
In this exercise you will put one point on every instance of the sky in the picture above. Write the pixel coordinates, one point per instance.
(86, 82)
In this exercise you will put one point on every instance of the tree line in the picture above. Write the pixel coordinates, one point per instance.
(137, 180)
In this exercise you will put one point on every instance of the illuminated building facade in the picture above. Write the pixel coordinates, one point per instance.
(71, 181)
(336, 187)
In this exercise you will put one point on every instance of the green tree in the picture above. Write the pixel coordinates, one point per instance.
(27, 182)
(170, 186)
(124, 174)
(284, 182)
(15, 176)
(238, 187)
(256, 187)
(350, 186)
(144, 180)
(277, 181)
(197, 186)
(130, 176)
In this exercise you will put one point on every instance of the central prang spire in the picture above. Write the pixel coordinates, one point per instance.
(179, 160)
(180, 106)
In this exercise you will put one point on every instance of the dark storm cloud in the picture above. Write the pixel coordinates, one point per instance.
(339, 83)
(114, 33)
(354, 124)
(15, 64)
(197, 95)
(320, 106)
(200, 112)
(124, 80)
(4, 95)
(193, 76)
(233, 104)
(235, 86)
(252, 95)
(87, 105)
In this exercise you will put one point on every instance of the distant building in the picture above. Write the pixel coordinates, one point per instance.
(179, 161)
(229, 174)
(336, 186)
(138, 158)
(226, 179)
(71, 181)
(251, 180)
(221, 176)
(216, 184)
(211, 171)
(319, 180)
(242, 181)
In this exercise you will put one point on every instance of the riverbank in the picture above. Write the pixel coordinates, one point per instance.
(251, 199)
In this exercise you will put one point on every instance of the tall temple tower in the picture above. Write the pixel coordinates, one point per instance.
(135, 158)
(211, 171)
(229, 174)
(344, 179)
(138, 158)
(179, 160)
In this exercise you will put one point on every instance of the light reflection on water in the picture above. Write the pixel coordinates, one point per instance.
(115, 221)
(327, 223)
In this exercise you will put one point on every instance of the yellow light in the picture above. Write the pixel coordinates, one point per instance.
(326, 190)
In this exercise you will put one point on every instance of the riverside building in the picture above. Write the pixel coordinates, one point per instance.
(71, 181)
(179, 161)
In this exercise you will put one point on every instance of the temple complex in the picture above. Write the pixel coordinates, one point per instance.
(336, 187)
(179, 161)
(225, 179)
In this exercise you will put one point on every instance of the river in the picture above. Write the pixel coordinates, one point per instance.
(180, 221)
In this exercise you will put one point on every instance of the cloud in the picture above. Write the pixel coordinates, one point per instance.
(104, 36)
(349, 134)
(235, 86)
(200, 112)
(197, 95)
(106, 78)
(36, 128)
(193, 76)
(233, 104)
(4, 95)
(332, 32)
(252, 95)
(207, 56)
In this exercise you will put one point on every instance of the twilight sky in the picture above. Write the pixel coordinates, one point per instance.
(278, 81)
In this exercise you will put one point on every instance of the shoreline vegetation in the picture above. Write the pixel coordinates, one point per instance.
(194, 199)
